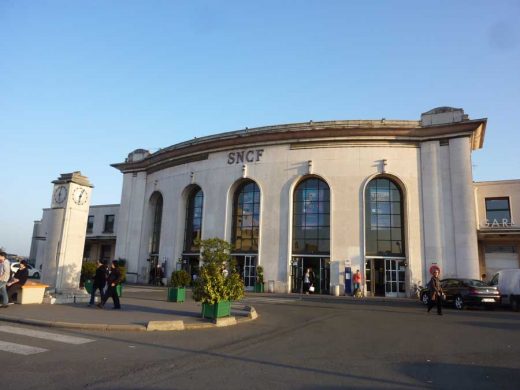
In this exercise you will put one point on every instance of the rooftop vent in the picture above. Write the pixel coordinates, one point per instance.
(443, 115)
(137, 155)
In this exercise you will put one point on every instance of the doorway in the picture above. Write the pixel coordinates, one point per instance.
(321, 269)
(246, 266)
(385, 277)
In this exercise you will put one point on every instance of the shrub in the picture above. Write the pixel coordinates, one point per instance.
(212, 286)
(180, 279)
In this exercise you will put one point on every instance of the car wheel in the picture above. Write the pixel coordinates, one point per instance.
(36, 275)
(458, 302)
(425, 298)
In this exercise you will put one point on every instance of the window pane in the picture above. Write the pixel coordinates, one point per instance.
(497, 204)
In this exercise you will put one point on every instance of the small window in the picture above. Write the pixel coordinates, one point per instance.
(497, 209)
(109, 224)
(90, 223)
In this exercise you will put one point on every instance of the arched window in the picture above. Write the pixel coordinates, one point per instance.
(246, 218)
(157, 202)
(311, 218)
(384, 219)
(193, 225)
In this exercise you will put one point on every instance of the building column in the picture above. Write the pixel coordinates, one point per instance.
(463, 209)
(431, 189)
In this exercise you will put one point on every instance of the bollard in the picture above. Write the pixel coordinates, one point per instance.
(335, 290)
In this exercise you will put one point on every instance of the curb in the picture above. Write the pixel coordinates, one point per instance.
(151, 326)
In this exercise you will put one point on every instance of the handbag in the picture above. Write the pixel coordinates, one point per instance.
(311, 288)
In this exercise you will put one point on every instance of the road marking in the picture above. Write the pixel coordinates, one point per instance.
(20, 349)
(45, 335)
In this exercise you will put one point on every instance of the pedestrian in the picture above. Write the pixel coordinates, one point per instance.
(14, 287)
(308, 281)
(114, 278)
(5, 275)
(436, 293)
(100, 280)
(357, 284)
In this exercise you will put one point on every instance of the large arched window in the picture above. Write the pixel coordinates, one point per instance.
(157, 204)
(193, 225)
(311, 218)
(384, 219)
(246, 218)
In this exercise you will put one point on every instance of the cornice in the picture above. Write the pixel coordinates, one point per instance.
(331, 132)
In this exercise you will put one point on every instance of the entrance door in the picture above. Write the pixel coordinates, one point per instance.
(246, 266)
(385, 277)
(321, 269)
(395, 275)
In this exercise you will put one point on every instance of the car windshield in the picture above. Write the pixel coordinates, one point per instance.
(475, 283)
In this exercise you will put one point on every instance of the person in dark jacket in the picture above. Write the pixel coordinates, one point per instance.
(17, 281)
(100, 280)
(114, 278)
(436, 293)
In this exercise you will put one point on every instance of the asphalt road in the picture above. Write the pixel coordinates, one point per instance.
(294, 344)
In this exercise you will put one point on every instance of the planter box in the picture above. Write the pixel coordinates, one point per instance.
(259, 287)
(218, 310)
(176, 294)
(89, 283)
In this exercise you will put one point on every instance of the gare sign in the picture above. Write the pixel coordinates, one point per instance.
(504, 223)
(251, 155)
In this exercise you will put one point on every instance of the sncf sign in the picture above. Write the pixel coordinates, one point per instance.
(244, 156)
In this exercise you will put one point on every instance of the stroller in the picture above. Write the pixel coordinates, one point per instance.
(357, 293)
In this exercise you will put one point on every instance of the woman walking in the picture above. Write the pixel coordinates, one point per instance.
(436, 293)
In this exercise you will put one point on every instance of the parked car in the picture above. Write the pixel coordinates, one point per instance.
(33, 272)
(508, 283)
(466, 292)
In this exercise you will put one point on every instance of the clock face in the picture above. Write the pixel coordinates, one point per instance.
(80, 196)
(60, 194)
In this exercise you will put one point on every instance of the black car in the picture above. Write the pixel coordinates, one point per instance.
(466, 292)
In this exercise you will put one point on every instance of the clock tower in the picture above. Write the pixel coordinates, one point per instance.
(65, 230)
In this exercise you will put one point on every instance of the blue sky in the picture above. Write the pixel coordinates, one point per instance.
(83, 83)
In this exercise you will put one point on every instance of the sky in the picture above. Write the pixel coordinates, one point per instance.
(83, 83)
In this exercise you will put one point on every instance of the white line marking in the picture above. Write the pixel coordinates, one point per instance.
(45, 335)
(20, 349)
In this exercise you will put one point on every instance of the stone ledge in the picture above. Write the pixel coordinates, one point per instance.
(165, 325)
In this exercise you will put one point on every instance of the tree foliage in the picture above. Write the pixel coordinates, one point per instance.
(213, 285)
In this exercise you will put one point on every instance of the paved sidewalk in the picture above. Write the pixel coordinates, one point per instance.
(143, 308)
(146, 308)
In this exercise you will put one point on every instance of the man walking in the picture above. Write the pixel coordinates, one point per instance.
(113, 280)
(100, 280)
(5, 275)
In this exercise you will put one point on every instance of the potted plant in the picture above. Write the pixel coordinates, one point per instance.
(259, 284)
(88, 270)
(179, 281)
(217, 286)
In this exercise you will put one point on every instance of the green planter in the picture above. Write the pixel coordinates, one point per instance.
(259, 287)
(88, 285)
(218, 310)
(119, 290)
(176, 294)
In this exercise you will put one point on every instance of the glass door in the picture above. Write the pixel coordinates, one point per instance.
(249, 273)
(394, 278)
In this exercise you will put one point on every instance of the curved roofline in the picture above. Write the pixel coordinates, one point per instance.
(331, 131)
